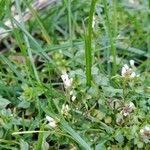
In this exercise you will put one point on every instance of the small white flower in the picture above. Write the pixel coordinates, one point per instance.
(72, 96)
(126, 66)
(127, 71)
(65, 109)
(145, 132)
(132, 63)
(133, 75)
(128, 108)
(51, 121)
(131, 106)
(67, 82)
(93, 22)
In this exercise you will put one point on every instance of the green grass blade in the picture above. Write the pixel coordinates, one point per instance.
(40, 139)
(27, 42)
(88, 44)
(39, 21)
(110, 36)
(74, 134)
(11, 66)
(38, 50)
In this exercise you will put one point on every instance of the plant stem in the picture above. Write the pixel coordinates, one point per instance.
(88, 44)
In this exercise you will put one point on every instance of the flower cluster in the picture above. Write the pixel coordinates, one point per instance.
(68, 85)
(127, 71)
(65, 109)
(66, 80)
(145, 133)
(128, 108)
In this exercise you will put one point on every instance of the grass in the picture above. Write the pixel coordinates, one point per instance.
(97, 106)
(88, 44)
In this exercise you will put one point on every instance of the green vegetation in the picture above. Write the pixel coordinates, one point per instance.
(75, 74)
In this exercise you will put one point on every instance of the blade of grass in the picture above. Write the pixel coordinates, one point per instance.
(23, 52)
(38, 50)
(114, 17)
(74, 134)
(2, 8)
(40, 138)
(27, 42)
(11, 66)
(88, 44)
(65, 127)
(68, 5)
(35, 15)
(110, 35)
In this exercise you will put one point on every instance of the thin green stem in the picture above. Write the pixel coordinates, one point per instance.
(88, 44)
(70, 22)
(114, 17)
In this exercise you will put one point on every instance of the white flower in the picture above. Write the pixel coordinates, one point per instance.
(133, 75)
(145, 129)
(72, 96)
(131, 106)
(132, 63)
(67, 82)
(128, 108)
(145, 133)
(65, 109)
(127, 71)
(51, 121)
(93, 22)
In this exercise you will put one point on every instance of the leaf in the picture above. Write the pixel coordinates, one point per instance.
(119, 137)
(23, 145)
(3, 102)
(24, 104)
(110, 91)
(100, 146)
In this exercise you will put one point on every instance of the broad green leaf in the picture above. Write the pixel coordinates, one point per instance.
(24, 104)
(101, 143)
(3, 102)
